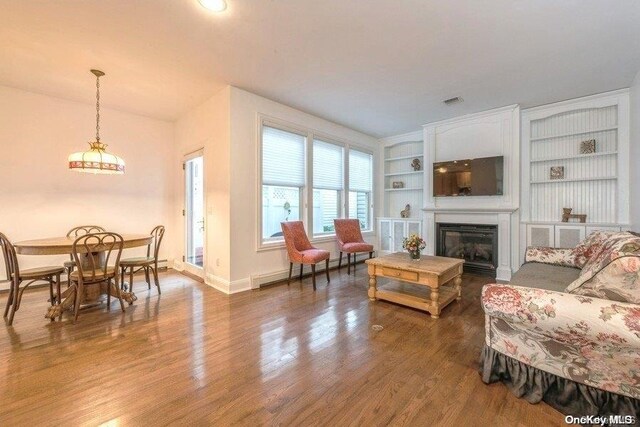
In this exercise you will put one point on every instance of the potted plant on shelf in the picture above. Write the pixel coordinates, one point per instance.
(414, 244)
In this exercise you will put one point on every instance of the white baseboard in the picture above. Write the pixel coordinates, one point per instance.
(503, 274)
(226, 286)
(258, 280)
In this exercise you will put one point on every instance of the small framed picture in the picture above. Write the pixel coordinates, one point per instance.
(556, 172)
(398, 184)
(588, 147)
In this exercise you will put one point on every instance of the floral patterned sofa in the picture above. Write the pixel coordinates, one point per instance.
(572, 340)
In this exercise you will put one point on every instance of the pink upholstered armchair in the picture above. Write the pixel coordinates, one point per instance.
(350, 241)
(300, 250)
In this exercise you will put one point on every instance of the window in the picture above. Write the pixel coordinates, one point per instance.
(305, 177)
(328, 182)
(283, 178)
(360, 187)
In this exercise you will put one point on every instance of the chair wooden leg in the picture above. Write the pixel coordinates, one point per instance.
(52, 299)
(313, 275)
(130, 279)
(354, 263)
(154, 270)
(340, 260)
(58, 289)
(326, 269)
(123, 271)
(119, 295)
(76, 302)
(15, 302)
(290, 271)
(146, 276)
(370, 255)
(109, 294)
(348, 263)
(301, 265)
(9, 300)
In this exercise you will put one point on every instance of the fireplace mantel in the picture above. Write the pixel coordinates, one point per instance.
(506, 220)
(471, 210)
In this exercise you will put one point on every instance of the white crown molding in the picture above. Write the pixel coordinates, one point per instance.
(396, 139)
(574, 101)
(472, 116)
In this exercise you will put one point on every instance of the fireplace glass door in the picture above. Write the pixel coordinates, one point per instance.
(476, 244)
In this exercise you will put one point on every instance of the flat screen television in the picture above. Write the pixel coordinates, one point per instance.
(469, 177)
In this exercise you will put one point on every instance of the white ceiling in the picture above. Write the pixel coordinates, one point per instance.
(379, 66)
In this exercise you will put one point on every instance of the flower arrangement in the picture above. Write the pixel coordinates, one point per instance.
(414, 244)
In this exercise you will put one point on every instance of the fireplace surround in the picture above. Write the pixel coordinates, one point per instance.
(477, 244)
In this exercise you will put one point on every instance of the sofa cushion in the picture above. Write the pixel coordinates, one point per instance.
(544, 276)
(617, 281)
(613, 273)
(616, 245)
(590, 247)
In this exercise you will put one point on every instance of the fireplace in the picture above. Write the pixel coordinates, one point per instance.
(476, 244)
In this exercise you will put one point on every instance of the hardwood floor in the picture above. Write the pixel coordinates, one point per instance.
(279, 355)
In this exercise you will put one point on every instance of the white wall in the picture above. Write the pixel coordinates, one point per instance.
(207, 126)
(41, 197)
(246, 262)
(634, 187)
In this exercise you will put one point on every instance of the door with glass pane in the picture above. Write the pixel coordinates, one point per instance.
(194, 214)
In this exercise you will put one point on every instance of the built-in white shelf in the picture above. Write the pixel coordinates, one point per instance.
(403, 189)
(577, 156)
(403, 173)
(566, 135)
(559, 181)
(595, 184)
(396, 168)
(391, 159)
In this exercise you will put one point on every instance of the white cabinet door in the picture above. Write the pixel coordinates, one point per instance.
(414, 227)
(384, 225)
(540, 235)
(568, 236)
(399, 233)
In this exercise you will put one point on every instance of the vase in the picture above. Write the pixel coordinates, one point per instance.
(415, 255)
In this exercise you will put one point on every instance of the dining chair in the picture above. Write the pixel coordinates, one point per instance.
(92, 253)
(350, 241)
(148, 263)
(300, 250)
(15, 276)
(76, 232)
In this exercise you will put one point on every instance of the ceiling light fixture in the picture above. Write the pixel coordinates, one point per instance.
(96, 159)
(214, 5)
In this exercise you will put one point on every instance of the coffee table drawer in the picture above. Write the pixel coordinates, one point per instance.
(400, 274)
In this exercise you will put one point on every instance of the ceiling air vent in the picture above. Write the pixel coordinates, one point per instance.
(452, 101)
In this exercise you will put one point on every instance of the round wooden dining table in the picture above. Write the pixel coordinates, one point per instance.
(64, 245)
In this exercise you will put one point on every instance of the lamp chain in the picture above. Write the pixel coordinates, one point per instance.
(97, 108)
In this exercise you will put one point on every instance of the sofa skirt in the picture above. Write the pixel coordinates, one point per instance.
(566, 396)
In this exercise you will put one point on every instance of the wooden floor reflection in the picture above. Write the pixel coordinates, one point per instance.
(279, 355)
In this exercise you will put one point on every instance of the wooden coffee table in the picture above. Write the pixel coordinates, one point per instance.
(433, 281)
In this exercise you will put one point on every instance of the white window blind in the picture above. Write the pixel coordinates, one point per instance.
(360, 171)
(327, 166)
(283, 158)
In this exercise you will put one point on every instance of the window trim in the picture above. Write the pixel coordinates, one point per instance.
(306, 193)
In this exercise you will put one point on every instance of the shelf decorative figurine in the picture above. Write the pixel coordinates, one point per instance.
(406, 211)
(588, 147)
(414, 244)
(567, 215)
(398, 184)
(556, 172)
(416, 165)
